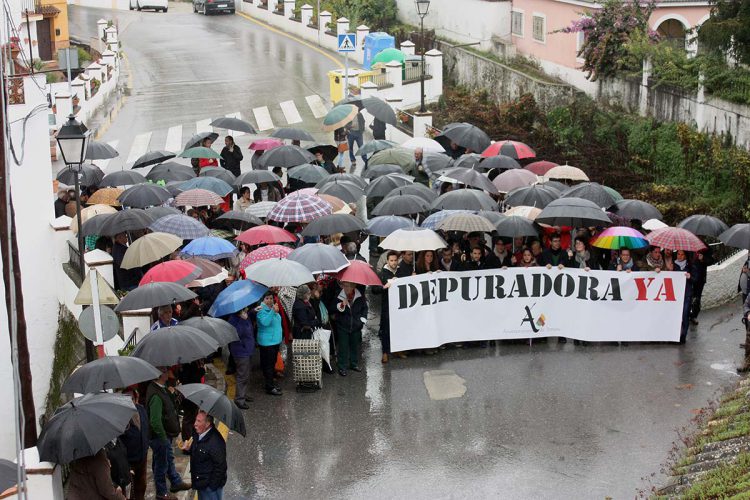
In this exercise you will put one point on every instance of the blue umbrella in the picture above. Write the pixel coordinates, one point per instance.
(214, 184)
(386, 224)
(180, 225)
(210, 247)
(433, 220)
(236, 297)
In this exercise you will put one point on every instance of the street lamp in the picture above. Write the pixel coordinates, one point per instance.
(423, 6)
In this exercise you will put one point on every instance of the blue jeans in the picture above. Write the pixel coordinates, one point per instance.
(209, 494)
(163, 465)
(354, 136)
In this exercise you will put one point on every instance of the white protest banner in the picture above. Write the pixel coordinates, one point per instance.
(434, 309)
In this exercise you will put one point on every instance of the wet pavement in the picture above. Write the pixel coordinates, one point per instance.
(546, 421)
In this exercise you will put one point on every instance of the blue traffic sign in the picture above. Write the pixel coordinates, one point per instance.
(347, 42)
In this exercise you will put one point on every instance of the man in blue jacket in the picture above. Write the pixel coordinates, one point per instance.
(242, 350)
(208, 459)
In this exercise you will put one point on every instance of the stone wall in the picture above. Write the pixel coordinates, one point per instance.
(721, 284)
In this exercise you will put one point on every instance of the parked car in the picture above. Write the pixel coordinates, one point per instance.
(157, 5)
(206, 7)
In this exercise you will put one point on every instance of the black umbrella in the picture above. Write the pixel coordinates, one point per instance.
(256, 177)
(385, 225)
(144, 195)
(308, 173)
(152, 158)
(235, 219)
(385, 184)
(171, 171)
(531, 196)
(234, 124)
(122, 178)
(573, 212)
(493, 217)
(175, 345)
(346, 191)
(354, 179)
(292, 134)
(464, 199)
(98, 150)
(174, 188)
(221, 331)
(377, 107)
(150, 295)
(197, 139)
(375, 146)
(8, 474)
(436, 161)
(215, 404)
(471, 160)
(637, 210)
(470, 177)
(556, 185)
(737, 236)
(90, 175)
(513, 226)
(382, 169)
(286, 156)
(332, 224)
(591, 191)
(416, 189)
(500, 162)
(465, 135)
(110, 372)
(329, 151)
(401, 205)
(219, 173)
(83, 426)
(133, 219)
(703, 225)
(159, 212)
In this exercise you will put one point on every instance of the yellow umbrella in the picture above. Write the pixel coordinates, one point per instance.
(150, 248)
(89, 212)
(105, 196)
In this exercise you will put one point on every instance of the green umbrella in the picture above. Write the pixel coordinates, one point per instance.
(387, 55)
(339, 116)
(199, 152)
(402, 157)
(375, 146)
(614, 194)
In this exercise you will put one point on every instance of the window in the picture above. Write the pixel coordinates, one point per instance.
(538, 31)
(516, 23)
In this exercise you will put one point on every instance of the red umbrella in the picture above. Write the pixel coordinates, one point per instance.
(541, 167)
(264, 253)
(514, 149)
(675, 238)
(265, 144)
(359, 272)
(173, 271)
(265, 235)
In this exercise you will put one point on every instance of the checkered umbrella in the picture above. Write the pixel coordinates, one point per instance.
(198, 198)
(265, 253)
(300, 208)
(434, 220)
(180, 225)
(675, 238)
(261, 208)
(468, 223)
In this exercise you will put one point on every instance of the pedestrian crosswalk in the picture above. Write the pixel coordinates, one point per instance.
(302, 113)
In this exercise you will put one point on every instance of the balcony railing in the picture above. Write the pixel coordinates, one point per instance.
(74, 256)
(413, 72)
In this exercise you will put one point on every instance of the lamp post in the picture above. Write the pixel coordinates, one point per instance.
(73, 140)
(423, 6)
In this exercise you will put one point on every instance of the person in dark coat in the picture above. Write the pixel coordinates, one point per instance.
(682, 263)
(117, 455)
(407, 267)
(61, 202)
(378, 129)
(580, 257)
(190, 373)
(267, 191)
(242, 350)
(500, 256)
(90, 478)
(322, 162)
(701, 262)
(135, 438)
(554, 255)
(448, 262)
(231, 156)
(476, 260)
(350, 315)
(208, 459)
(304, 319)
(387, 274)
(125, 279)
(624, 262)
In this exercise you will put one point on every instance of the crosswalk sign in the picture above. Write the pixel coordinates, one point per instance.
(347, 42)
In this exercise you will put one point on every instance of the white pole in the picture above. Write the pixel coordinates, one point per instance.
(67, 59)
(346, 75)
(94, 277)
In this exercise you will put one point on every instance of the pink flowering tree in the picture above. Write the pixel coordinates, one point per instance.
(607, 34)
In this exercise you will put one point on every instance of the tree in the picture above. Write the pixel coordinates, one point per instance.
(379, 15)
(727, 31)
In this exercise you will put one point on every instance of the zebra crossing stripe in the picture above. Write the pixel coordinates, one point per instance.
(263, 118)
(290, 112)
(139, 147)
(174, 139)
(317, 106)
(204, 125)
(236, 133)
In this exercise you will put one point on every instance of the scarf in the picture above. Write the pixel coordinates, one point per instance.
(626, 265)
(582, 258)
(682, 264)
(654, 263)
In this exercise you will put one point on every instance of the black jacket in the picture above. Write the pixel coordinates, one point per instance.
(118, 462)
(125, 279)
(304, 320)
(385, 275)
(554, 257)
(455, 265)
(208, 461)
(231, 160)
(405, 269)
(136, 439)
(470, 265)
(348, 320)
(378, 129)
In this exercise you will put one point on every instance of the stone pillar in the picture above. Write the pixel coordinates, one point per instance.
(288, 9)
(63, 107)
(643, 94)
(101, 25)
(700, 104)
(325, 19)
(395, 103)
(362, 32)
(307, 14)
(395, 78)
(109, 58)
(272, 5)
(342, 26)
(407, 47)
(110, 35)
(94, 70)
(77, 85)
(421, 122)
(434, 66)
(368, 89)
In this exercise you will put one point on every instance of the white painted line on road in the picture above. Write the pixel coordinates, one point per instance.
(290, 112)
(139, 147)
(104, 163)
(317, 106)
(174, 139)
(263, 118)
(204, 125)
(236, 133)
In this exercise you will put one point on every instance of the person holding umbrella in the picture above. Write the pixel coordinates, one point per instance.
(231, 156)
(269, 339)
(387, 274)
(90, 478)
(136, 438)
(624, 262)
(242, 351)
(350, 316)
(208, 459)
(305, 320)
(326, 164)
(355, 134)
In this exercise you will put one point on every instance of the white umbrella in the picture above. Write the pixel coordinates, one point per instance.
(279, 272)
(653, 224)
(413, 239)
(428, 145)
(566, 172)
(261, 208)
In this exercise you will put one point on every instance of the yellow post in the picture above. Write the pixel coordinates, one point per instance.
(336, 79)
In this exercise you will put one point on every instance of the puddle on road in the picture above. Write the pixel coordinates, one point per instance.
(444, 384)
(725, 367)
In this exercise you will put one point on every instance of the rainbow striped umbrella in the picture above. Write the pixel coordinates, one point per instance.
(617, 237)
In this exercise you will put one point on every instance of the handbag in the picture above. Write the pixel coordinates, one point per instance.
(343, 147)
(279, 367)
